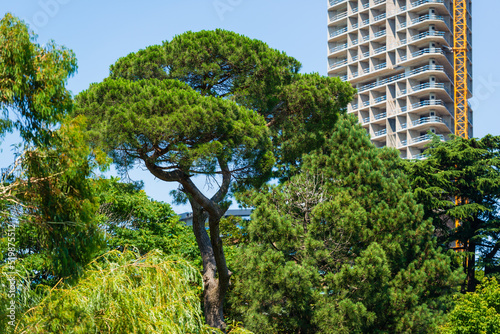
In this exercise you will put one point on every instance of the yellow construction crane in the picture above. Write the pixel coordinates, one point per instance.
(460, 49)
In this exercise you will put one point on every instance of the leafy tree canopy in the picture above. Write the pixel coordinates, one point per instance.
(476, 313)
(132, 220)
(213, 103)
(342, 248)
(298, 108)
(123, 293)
(32, 82)
(52, 204)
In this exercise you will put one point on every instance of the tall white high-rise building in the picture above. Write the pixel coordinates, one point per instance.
(399, 56)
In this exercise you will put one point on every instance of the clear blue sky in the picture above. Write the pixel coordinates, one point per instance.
(100, 32)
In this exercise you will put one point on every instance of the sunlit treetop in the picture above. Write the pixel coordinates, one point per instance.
(33, 94)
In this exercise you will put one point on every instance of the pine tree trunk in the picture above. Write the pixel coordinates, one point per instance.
(215, 272)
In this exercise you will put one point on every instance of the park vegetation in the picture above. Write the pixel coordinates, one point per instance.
(343, 238)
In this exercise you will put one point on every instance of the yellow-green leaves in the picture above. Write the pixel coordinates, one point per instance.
(32, 82)
(123, 293)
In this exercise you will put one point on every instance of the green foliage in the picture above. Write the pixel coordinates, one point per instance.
(298, 108)
(213, 103)
(167, 123)
(131, 219)
(123, 293)
(467, 169)
(32, 82)
(342, 247)
(477, 312)
(54, 215)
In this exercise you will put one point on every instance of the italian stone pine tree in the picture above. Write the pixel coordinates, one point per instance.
(468, 170)
(211, 103)
(342, 247)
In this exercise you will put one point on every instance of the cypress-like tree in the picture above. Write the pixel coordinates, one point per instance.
(342, 248)
(460, 182)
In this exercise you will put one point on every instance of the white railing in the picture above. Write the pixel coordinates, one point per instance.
(334, 2)
(380, 17)
(338, 64)
(380, 50)
(426, 34)
(338, 16)
(427, 17)
(338, 48)
(380, 116)
(380, 99)
(401, 76)
(425, 137)
(380, 133)
(420, 156)
(427, 103)
(338, 32)
(429, 119)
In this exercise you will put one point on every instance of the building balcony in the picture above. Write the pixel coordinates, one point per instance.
(380, 99)
(338, 48)
(420, 156)
(418, 3)
(338, 64)
(336, 2)
(423, 86)
(380, 133)
(338, 32)
(380, 17)
(365, 23)
(427, 17)
(338, 16)
(424, 138)
(380, 33)
(401, 76)
(380, 66)
(426, 120)
(380, 116)
(380, 50)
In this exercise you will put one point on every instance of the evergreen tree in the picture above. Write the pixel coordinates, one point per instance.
(211, 103)
(460, 182)
(342, 248)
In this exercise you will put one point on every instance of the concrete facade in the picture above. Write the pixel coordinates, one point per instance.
(398, 54)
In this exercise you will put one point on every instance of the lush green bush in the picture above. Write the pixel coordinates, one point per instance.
(122, 292)
(477, 312)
